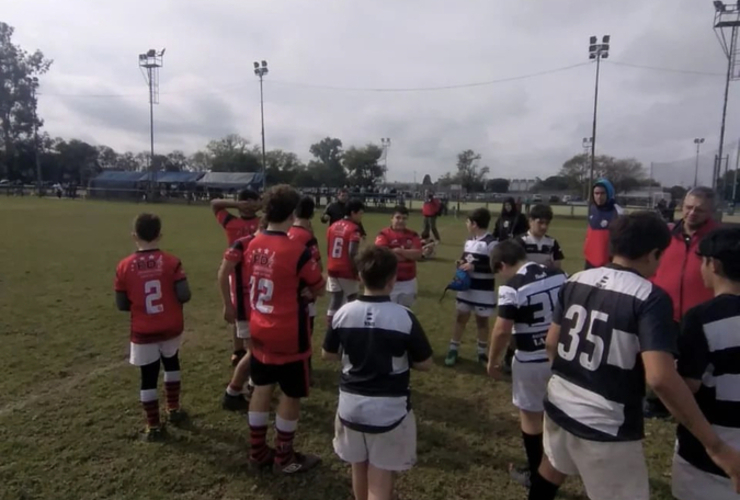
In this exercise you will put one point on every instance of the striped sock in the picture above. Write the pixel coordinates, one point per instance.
(258, 450)
(482, 347)
(150, 402)
(285, 433)
(454, 345)
(172, 390)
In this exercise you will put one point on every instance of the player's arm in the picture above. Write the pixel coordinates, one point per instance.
(224, 271)
(413, 253)
(122, 301)
(693, 351)
(557, 255)
(325, 216)
(352, 250)
(332, 345)
(182, 291)
(309, 272)
(418, 347)
(220, 205)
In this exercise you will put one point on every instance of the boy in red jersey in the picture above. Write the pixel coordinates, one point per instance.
(302, 232)
(238, 227)
(152, 286)
(343, 241)
(281, 274)
(406, 245)
(234, 269)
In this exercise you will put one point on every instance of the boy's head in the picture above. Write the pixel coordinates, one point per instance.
(507, 257)
(478, 220)
(279, 204)
(305, 208)
(147, 228)
(377, 268)
(540, 217)
(342, 196)
(355, 209)
(640, 237)
(720, 256)
(248, 195)
(399, 218)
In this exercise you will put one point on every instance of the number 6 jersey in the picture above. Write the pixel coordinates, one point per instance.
(148, 278)
(279, 268)
(608, 316)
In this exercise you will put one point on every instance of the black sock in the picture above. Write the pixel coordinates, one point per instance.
(542, 489)
(533, 448)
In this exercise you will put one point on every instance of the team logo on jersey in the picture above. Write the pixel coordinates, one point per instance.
(369, 319)
(604, 223)
(469, 258)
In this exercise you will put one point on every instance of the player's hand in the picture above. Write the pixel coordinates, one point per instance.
(324, 219)
(494, 371)
(467, 267)
(728, 459)
(229, 314)
(253, 205)
(307, 294)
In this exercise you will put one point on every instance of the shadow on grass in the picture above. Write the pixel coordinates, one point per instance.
(463, 365)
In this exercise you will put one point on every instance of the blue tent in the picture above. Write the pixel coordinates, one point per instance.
(178, 177)
(117, 184)
(231, 180)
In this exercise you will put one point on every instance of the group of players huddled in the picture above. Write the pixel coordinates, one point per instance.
(583, 347)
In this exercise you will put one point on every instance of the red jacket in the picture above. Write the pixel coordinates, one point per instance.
(679, 273)
(431, 208)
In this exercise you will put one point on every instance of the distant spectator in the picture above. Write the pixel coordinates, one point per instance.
(602, 211)
(511, 223)
(431, 210)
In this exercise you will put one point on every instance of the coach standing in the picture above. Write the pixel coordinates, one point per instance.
(601, 212)
(336, 210)
(430, 210)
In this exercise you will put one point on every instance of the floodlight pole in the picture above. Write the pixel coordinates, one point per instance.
(386, 144)
(718, 165)
(596, 51)
(261, 70)
(34, 87)
(150, 62)
(698, 141)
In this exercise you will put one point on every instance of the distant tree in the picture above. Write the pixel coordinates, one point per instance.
(446, 180)
(107, 157)
(554, 183)
(176, 161)
(78, 161)
(17, 104)
(427, 181)
(233, 154)
(469, 174)
(498, 185)
(625, 174)
(282, 167)
(201, 161)
(128, 162)
(677, 192)
(327, 165)
(362, 165)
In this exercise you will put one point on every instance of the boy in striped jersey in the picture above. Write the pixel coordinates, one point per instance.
(709, 361)
(541, 248)
(525, 306)
(612, 331)
(480, 299)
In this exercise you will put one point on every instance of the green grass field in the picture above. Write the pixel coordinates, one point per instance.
(69, 408)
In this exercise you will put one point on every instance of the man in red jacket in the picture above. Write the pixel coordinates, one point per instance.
(679, 272)
(430, 210)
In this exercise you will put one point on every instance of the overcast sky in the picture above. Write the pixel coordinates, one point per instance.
(522, 128)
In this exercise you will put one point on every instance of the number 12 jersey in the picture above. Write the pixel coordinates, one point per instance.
(608, 316)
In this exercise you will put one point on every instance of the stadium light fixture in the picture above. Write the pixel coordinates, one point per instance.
(597, 52)
(698, 141)
(261, 70)
(149, 63)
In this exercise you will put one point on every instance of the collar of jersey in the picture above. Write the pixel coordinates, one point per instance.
(148, 250)
(274, 233)
(374, 298)
(478, 238)
(617, 267)
(523, 269)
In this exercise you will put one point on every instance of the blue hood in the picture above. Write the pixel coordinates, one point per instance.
(608, 186)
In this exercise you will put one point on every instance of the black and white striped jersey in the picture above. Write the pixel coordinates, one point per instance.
(379, 341)
(545, 250)
(477, 251)
(529, 299)
(608, 316)
(709, 350)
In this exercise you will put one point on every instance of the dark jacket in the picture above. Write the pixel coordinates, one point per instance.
(510, 224)
(679, 272)
(596, 245)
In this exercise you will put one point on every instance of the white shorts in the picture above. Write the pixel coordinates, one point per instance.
(690, 483)
(242, 330)
(394, 450)
(481, 312)
(609, 470)
(312, 309)
(146, 354)
(347, 287)
(529, 384)
(404, 292)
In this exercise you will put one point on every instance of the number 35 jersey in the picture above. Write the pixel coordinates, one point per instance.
(528, 299)
(148, 278)
(608, 316)
(279, 268)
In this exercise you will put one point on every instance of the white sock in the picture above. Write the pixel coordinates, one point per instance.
(285, 425)
(259, 418)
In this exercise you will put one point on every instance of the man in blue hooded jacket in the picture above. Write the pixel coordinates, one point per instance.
(601, 212)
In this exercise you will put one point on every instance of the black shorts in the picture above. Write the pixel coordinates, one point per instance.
(293, 378)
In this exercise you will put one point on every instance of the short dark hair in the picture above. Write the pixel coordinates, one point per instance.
(507, 252)
(305, 208)
(279, 203)
(247, 194)
(637, 234)
(400, 209)
(147, 227)
(541, 211)
(723, 244)
(481, 217)
(353, 206)
(376, 266)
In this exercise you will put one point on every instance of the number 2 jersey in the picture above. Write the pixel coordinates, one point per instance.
(529, 299)
(279, 268)
(608, 317)
(148, 278)
(339, 237)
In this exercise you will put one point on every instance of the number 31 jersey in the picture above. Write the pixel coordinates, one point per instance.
(279, 268)
(608, 317)
(148, 278)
